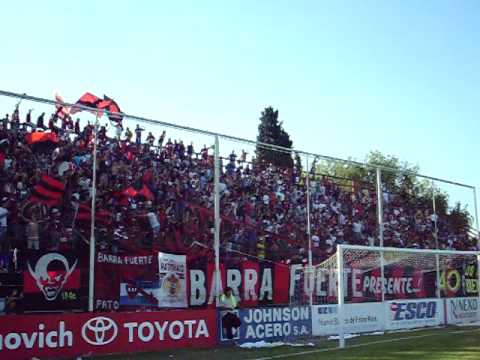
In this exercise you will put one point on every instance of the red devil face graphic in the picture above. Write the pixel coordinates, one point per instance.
(51, 282)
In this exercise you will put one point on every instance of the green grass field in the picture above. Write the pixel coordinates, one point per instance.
(438, 344)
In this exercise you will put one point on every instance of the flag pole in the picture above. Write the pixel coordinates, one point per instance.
(91, 275)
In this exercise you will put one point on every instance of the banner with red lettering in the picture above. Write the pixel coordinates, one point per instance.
(78, 335)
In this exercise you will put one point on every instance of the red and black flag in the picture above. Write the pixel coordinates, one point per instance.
(101, 216)
(88, 100)
(115, 114)
(38, 137)
(49, 191)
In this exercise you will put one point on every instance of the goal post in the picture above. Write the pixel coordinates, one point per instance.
(380, 289)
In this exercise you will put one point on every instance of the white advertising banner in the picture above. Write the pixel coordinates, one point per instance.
(357, 318)
(408, 314)
(463, 310)
(172, 270)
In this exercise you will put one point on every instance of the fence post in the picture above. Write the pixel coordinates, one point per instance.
(216, 179)
(380, 206)
(91, 270)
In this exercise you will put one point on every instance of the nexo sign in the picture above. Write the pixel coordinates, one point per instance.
(413, 310)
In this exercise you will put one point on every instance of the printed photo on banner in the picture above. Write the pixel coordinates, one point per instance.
(172, 273)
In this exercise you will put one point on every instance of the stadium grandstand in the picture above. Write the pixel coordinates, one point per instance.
(165, 222)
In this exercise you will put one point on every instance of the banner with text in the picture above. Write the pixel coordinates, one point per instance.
(78, 335)
(408, 314)
(124, 282)
(462, 310)
(357, 318)
(269, 324)
(172, 273)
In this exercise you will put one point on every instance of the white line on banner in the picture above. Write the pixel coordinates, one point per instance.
(283, 356)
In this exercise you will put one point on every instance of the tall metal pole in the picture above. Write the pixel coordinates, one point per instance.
(476, 218)
(435, 230)
(340, 295)
(309, 230)
(216, 178)
(309, 234)
(91, 274)
(380, 206)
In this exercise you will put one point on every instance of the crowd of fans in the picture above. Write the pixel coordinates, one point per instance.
(157, 193)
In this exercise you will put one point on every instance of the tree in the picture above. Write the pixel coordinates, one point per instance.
(270, 131)
(401, 180)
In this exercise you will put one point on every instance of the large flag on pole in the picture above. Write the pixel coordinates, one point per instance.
(115, 114)
(88, 100)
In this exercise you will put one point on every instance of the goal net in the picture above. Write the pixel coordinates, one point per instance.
(366, 290)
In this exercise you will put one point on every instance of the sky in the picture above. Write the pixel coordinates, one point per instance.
(347, 77)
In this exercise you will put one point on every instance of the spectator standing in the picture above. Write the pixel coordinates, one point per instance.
(41, 121)
(138, 134)
(32, 234)
(128, 135)
(3, 224)
(77, 126)
(161, 139)
(150, 139)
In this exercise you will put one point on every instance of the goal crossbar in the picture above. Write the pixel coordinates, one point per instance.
(405, 250)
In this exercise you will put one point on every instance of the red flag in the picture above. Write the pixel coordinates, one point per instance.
(89, 100)
(101, 216)
(111, 106)
(48, 192)
(146, 193)
(38, 136)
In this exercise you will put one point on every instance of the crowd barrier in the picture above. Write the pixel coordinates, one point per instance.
(67, 335)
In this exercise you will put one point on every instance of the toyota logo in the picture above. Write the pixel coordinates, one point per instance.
(99, 331)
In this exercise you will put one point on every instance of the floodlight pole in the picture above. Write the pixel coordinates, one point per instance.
(91, 274)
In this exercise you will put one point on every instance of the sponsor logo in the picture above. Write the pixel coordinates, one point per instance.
(51, 282)
(39, 339)
(99, 331)
(413, 310)
(464, 308)
(326, 310)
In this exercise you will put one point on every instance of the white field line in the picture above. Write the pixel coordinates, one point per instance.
(282, 356)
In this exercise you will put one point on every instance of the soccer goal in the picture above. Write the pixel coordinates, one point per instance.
(373, 290)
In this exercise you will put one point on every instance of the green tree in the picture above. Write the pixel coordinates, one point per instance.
(270, 131)
(400, 180)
